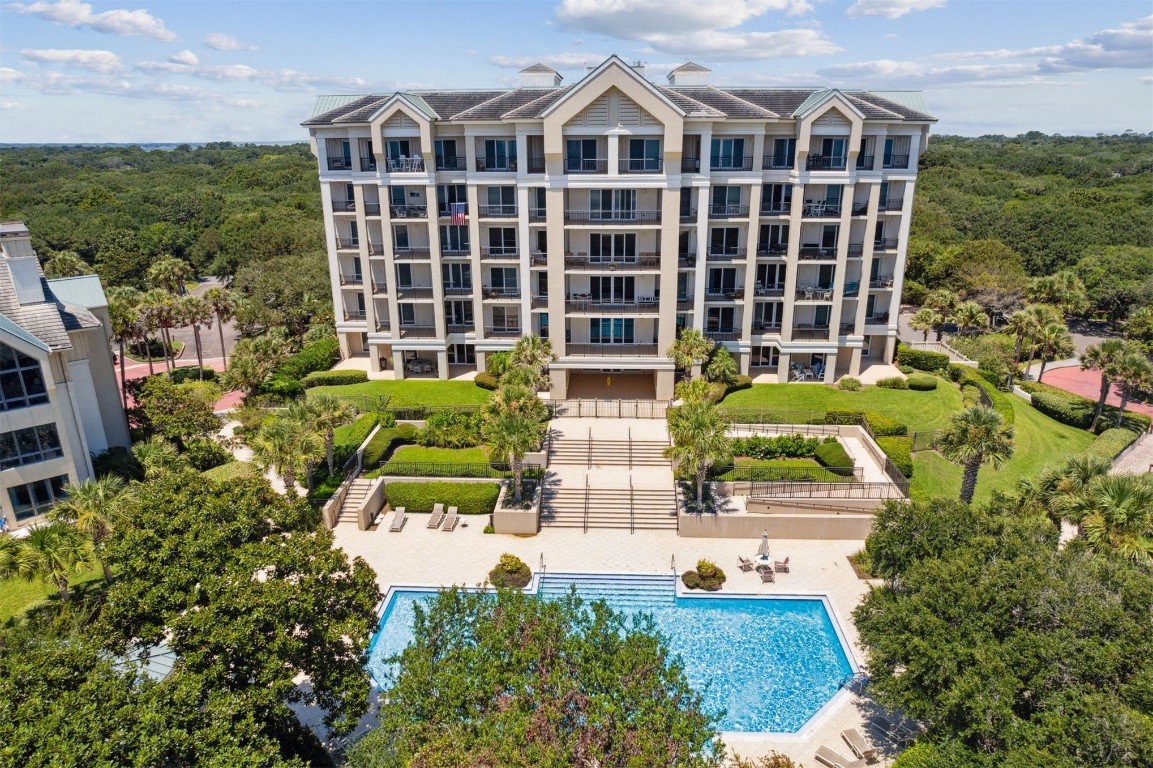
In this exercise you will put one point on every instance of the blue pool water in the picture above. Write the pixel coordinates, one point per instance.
(771, 663)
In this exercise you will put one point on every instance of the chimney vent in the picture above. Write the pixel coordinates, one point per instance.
(539, 76)
(689, 74)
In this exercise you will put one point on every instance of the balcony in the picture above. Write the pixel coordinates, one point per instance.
(383, 326)
(816, 253)
(612, 217)
(372, 209)
(611, 350)
(455, 251)
(728, 211)
(539, 302)
(354, 315)
(499, 252)
(825, 163)
(770, 163)
(811, 332)
(344, 206)
(451, 289)
(684, 303)
(339, 164)
(725, 295)
(774, 291)
(723, 334)
(496, 164)
(881, 282)
(865, 162)
(763, 327)
(347, 244)
(452, 327)
(894, 204)
(502, 331)
(814, 294)
(451, 163)
(776, 209)
(878, 318)
(598, 307)
(408, 292)
(404, 165)
(540, 259)
(586, 165)
(536, 165)
(379, 287)
(417, 331)
(689, 216)
(821, 208)
(408, 211)
(368, 163)
(731, 163)
(852, 289)
(690, 165)
(883, 246)
(411, 254)
(847, 328)
(351, 279)
(536, 214)
(376, 249)
(726, 255)
(501, 294)
(895, 161)
(773, 251)
(498, 211)
(580, 262)
(856, 250)
(642, 165)
(860, 209)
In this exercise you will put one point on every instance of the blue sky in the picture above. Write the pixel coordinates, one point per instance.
(169, 70)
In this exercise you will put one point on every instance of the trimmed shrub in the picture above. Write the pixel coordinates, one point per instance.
(906, 369)
(451, 429)
(849, 384)
(922, 359)
(469, 498)
(190, 373)
(1111, 442)
(739, 382)
(282, 388)
(315, 356)
(233, 470)
(956, 372)
(333, 378)
(205, 453)
(387, 441)
(781, 446)
(970, 395)
(707, 576)
(832, 455)
(900, 451)
(691, 580)
(511, 572)
(1077, 411)
(884, 426)
(346, 439)
(893, 382)
(922, 382)
(487, 381)
(1001, 402)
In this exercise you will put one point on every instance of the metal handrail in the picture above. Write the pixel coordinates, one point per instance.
(589, 456)
(632, 502)
(540, 568)
(630, 455)
(673, 564)
(586, 520)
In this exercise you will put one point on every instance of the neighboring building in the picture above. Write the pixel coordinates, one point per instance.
(609, 214)
(59, 400)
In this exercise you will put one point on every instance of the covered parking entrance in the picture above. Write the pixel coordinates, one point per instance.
(611, 384)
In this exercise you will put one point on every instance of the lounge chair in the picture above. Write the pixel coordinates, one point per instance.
(451, 520)
(436, 516)
(860, 746)
(746, 565)
(766, 575)
(398, 520)
(893, 730)
(781, 566)
(834, 759)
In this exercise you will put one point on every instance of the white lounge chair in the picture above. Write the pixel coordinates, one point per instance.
(860, 746)
(398, 520)
(436, 516)
(451, 520)
(834, 759)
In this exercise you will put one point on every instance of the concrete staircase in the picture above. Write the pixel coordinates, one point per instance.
(357, 491)
(582, 452)
(620, 508)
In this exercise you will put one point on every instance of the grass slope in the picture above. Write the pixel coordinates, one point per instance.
(410, 453)
(922, 411)
(412, 393)
(18, 595)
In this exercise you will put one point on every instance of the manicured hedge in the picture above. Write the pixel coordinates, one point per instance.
(346, 439)
(469, 498)
(832, 454)
(900, 451)
(922, 359)
(893, 382)
(1077, 411)
(487, 381)
(1111, 442)
(1001, 402)
(386, 441)
(333, 378)
(316, 356)
(922, 382)
(882, 426)
(739, 382)
(779, 447)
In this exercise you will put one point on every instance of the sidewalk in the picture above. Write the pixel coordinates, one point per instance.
(134, 370)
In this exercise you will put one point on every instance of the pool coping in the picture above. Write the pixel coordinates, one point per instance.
(819, 718)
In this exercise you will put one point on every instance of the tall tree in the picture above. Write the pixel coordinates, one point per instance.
(66, 264)
(161, 311)
(288, 446)
(968, 316)
(1054, 343)
(924, 320)
(509, 437)
(721, 367)
(224, 307)
(254, 360)
(50, 553)
(690, 348)
(125, 322)
(699, 432)
(533, 353)
(92, 506)
(170, 274)
(326, 413)
(1134, 374)
(973, 437)
(194, 311)
(1020, 324)
(1103, 357)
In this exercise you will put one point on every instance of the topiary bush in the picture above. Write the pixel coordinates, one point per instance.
(707, 576)
(469, 498)
(510, 572)
(315, 356)
(922, 359)
(333, 378)
(900, 451)
(849, 384)
(893, 382)
(921, 382)
(487, 381)
(1111, 442)
(833, 454)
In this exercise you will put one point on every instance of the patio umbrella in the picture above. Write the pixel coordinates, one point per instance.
(763, 550)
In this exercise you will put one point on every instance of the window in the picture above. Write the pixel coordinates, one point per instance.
(581, 156)
(613, 203)
(503, 279)
(360, 304)
(644, 155)
(726, 201)
(720, 319)
(542, 242)
(37, 497)
(784, 151)
(501, 201)
(721, 280)
(613, 290)
(447, 194)
(682, 285)
(766, 357)
(728, 154)
(686, 202)
(400, 238)
(829, 237)
(461, 354)
(821, 315)
(724, 240)
(542, 284)
(879, 234)
(353, 234)
(607, 330)
(774, 238)
(446, 157)
(407, 314)
(537, 201)
(771, 276)
(21, 382)
(403, 275)
(28, 446)
(833, 198)
(505, 319)
(606, 247)
(682, 323)
(883, 203)
(454, 238)
(499, 155)
(395, 149)
(865, 156)
(776, 198)
(339, 152)
(502, 241)
(458, 312)
(835, 150)
(897, 152)
(684, 244)
(767, 314)
(457, 275)
(825, 275)
(542, 325)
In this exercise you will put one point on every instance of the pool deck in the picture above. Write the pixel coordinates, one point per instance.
(419, 556)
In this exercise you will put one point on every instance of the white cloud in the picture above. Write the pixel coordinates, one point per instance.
(218, 41)
(556, 61)
(1145, 80)
(116, 22)
(185, 57)
(288, 80)
(96, 61)
(744, 46)
(11, 105)
(891, 9)
(9, 75)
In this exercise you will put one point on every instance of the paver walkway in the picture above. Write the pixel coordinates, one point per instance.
(1139, 460)
(1088, 384)
(227, 401)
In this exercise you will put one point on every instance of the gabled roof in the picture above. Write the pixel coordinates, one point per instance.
(13, 328)
(690, 66)
(820, 97)
(687, 104)
(725, 103)
(613, 61)
(83, 291)
(538, 68)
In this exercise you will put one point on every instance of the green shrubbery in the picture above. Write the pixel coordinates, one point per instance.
(511, 572)
(880, 424)
(232, 471)
(1001, 402)
(1077, 411)
(922, 382)
(487, 381)
(287, 380)
(468, 498)
(779, 447)
(849, 384)
(921, 359)
(190, 373)
(346, 439)
(1111, 442)
(386, 441)
(451, 429)
(739, 382)
(831, 453)
(900, 451)
(333, 378)
(893, 382)
(707, 576)
(205, 453)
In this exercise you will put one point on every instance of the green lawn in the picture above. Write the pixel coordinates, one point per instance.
(922, 411)
(411, 393)
(18, 595)
(1038, 442)
(410, 453)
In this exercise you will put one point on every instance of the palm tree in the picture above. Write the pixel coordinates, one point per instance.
(170, 274)
(925, 320)
(326, 413)
(515, 400)
(161, 309)
(125, 326)
(195, 311)
(534, 353)
(721, 367)
(287, 445)
(691, 348)
(157, 456)
(696, 390)
(969, 316)
(66, 264)
(1102, 357)
(510, 436)
(49, 552)
(699, 431)
(975, 436)
(1041, 315)
(145, 325)
(224, 306)
(1134, 373)
(1054, 342)
(92, 506)
(943, 300)
(1115, 512)
(1020, 324)
(1043, 492)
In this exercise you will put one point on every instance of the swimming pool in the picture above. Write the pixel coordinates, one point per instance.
(771, 663)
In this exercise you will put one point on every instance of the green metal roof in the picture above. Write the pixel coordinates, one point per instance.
(329, 103)
(9, 326)
(810, 102)
(911, 99)
(421, 104)
(84, 291)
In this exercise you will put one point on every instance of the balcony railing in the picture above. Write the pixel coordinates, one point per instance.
(376, 249)
(536, 214)
(411, 254)
(502, 331)
(451, 163)
(760, 326)
(642, 165)
(451, 289)
(499, 252)
(772, 250)
(825, 163)
(814, 253)
(417, 331)
(351, 279)
(723, 334)
(353, 315)
(725, 294)
(811, 332)
(496, 164)
(895, 161)
(689, 216)
(878, 318)
(539, 259)
(404, 165)
(498, 211)
(852, 289)
(865, 162)
(726, 254)
(731, 163)
(686, 260)
(347, 244)
(539, 302)
(383, 326)
(892, 204)
(820, 208)
(344, 206)
(885, 245)
(684, 303)
(339, 164)
(601, 307)
(728, 211)
(536, 165)
(406, 292)
(452, 327)
(379, 286)
(586, 165)
(585, 263)
(881, 282)
(612, 217)
(860, 209)
(771, 163)
(455, 250)
(847, 328)
(501, 293)
(775, 291)
(690, 165)
(776, 209)
(408, 211)
(372, 209)
(368, 163)
(611, 350)
(815, 294)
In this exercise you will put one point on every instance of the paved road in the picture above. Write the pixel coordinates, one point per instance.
(1139, 460)
(209, 339)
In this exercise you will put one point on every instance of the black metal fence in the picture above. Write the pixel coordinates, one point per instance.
(611, 409)
(762, 416)
(826, 491)
(449, 469)
(752, 473)
(925, 441)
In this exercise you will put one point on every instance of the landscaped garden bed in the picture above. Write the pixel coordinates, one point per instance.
(468, 498)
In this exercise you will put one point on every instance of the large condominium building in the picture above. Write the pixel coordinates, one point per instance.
(59, 401)
(612, 213)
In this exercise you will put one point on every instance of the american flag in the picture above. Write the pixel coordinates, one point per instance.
(459, 213)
